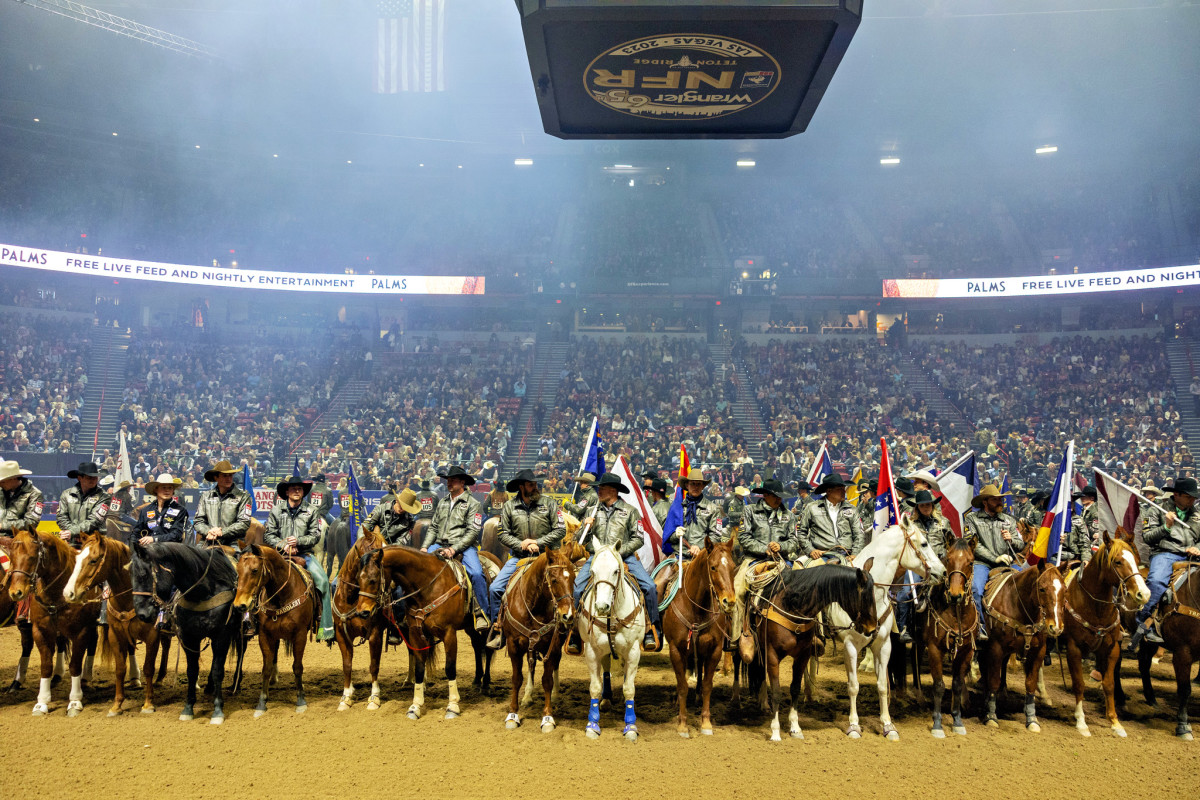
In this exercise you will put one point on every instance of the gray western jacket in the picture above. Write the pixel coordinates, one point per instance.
(300, 522)
(764, 525)
(456, 524)
(989, 541)
(230, 512)
(541, 521)
(616, 525)
(1178, 538)
(817, 533)
(20, 509)
(79, 515)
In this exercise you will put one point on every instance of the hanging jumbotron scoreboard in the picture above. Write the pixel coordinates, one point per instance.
(701, 69)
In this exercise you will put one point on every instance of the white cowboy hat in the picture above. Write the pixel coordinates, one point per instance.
(11, 469)
(165, 479)
(927, 476)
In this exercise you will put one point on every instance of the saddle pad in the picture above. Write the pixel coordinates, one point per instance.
(464, 580)
(996, 580)
(308, 581)
(490, 570)
(1180, 573)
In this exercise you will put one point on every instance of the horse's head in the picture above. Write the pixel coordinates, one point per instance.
(960, 566)
(152, 585)
(721, 569)
(560, 578)
(1121, 562)
(370, 583)
(252, 572)
(1051, 593)
(27, 556)
(866, 618)
(88, 566)
(917, 555)
(606, 576)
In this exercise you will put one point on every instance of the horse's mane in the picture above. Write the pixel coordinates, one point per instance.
(64, 551)
(807, 591)
(194, 558)
(961, 543)
(352, 563)
(1112, 552)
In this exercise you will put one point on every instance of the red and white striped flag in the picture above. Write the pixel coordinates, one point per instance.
(410, 46)
(651, 551)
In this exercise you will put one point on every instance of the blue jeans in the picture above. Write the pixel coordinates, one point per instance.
(639, 574)
(500, 584)
(1157, 579)
(905, 605)
(470, 560)
(321, 581)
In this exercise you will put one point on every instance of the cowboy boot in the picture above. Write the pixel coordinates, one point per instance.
(575, 643)
(496, 640)
(652, 641)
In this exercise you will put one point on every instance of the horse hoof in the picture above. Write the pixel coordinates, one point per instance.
(706, 731)
(1119, 732)
(1085, 731)
(631, 735)
(414, 712)
(775, 737)
(991, 723)
(258, 712)
(41, 710)
(1033, 727)
(894, 736)
(373, 703)
(960, 730)
(938, 733)
(684, 735)
(114, 714)
(593, 734)
(149, 709)
(1187, 737)
(14, 687)
(187, 717)
(451, 714)
(302, 709)
(548, 725)
(854, 735)
(217, 720)
(797, 734)
(344, 706)
(74, 708)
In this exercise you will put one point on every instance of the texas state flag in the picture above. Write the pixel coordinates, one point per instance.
(957, 483)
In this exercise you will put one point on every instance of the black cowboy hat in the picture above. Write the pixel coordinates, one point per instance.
(457, 472)
(769, 486)
(649, 474)
(660, 485)
(1183, 486)
(803, 486)
(904, 487)
(88, 469)
(515, 481)
(1040, 496)
(1087, 491)
(833, 481)
(611, 479)
(923, 496)
(219, 468)
(319, 477)
(295, 480)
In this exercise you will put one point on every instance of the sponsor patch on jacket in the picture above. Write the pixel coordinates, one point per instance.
(100, 512)
(114, 504)
(150, 515)
(244, 513)
(172, 512)
(37, 508)
(427, 504)
(477, 519)
(317, 498)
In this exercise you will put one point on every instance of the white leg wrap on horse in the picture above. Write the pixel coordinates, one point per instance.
(22, 668)
(1080, 721)
(418, 698)
(452, 691)
(775, 728)
(43, 699)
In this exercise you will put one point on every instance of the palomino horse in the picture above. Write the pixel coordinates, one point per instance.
(894, 550)
(1092, 601)
(349, 627)
(202, 610)
(41, 565)
(437, 608)
(947, 627)
(789, 621)
(1180, 628)
(1024, 609)
(612, 623)
(489, 539)
(102, 560)
(287, 605)
(696, 624)
(537, 615)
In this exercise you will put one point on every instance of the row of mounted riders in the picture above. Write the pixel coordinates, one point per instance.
(206, 593)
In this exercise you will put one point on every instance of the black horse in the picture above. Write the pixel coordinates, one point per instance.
(337, 544)
(198, 587)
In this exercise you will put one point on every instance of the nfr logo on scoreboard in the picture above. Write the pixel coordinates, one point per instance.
(646, 69)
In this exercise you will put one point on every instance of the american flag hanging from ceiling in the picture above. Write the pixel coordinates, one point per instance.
(410, 46)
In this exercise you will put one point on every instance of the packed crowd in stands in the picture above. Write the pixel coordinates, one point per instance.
(43, 376)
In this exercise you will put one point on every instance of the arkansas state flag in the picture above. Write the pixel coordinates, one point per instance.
(958, 487)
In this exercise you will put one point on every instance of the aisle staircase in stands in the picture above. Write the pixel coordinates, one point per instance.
(542, 385)
(922, 384)
(105, 388)
(1184, 358)
(745, 409)
(350, 393)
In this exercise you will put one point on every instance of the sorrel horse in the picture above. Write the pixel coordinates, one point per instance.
(102, 560)
(197, 587)
(437, 608)
(1093, 601)
(1024, 609)
(1180, 628)
(537, 615)
(696, 624)
(8, 615)
(348, 627)
(611, 623)
(287, 606)
(788, 622)
(41, 566)
(948, 627)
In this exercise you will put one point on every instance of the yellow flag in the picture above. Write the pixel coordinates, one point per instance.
(852, 489)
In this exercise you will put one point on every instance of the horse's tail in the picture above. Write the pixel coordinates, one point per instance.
(107, 657)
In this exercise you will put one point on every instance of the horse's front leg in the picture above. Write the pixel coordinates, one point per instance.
(120, 665)
(1075, 665)
(45, 642)
(416, 664)
(1108, 680)
(1033, 671)
(549, 685)
(346, 646)
(450, 639)
(595, 687)
(773, 661)
(962, 667)
(268, 644)
(708, 668)
(799, 667)
(79, 649)
(191, 650)
(221, 643)
(883, 655)
(152, 647)
(516, 657)
(938, 681)
(375, 649)
(850, 653)
(299, 640)
(679, 665)
(632, 657)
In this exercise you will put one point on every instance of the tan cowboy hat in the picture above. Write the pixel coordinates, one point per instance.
(696, 475)
(741, 491)
(219, 468)
(164, 479)
(585, 477)
(927, 476)
(408, 501)
(1150, 487)
(988, 491)
(11, 469)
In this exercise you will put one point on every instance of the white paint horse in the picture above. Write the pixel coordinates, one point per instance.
(895, 550)
(611, 622)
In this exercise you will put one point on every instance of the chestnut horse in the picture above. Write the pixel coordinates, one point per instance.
(1024, 610)
(102, 560)
(696, 624)
(8, 615)
(1093, 604)
(537, 615)
(288, 609)
(948, 627)
(437, 608)
(348, 626)
(41, 565)
(1180, 628)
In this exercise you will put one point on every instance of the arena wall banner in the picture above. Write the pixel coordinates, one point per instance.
(183, 275)
(1035, 285)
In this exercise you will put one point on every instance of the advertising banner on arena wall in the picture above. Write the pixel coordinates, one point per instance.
(183, 275)
(1035, 285)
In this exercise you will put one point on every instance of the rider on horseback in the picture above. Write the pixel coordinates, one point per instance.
(701, 517)
(292, 530)
(395, 520)
(615, 522)
(997, 543)
(223, 514)
(20, 500)
(1173, 534)
(529, 524)
(770, 533)
(829, 528)
(454, 531)
(82, 508)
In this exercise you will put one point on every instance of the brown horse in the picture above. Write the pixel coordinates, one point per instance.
(948, 626)
(254, 535)
(288, 609)
(102, 560)
(696, 624)
(437, 608)
(41, 565)
(489, 539)
(537, 615)
(1179, 612)
(8, 615)
(1093, 604)
(1024, 610)
(348, 626)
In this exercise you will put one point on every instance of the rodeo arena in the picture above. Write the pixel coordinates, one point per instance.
(465, 398)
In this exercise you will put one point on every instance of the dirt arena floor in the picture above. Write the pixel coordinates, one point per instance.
(360, 753)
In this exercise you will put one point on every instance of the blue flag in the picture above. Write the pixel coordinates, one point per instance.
(673, 520)
(248, 485)
(296, 466)
(593, 454)
(358, 506)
